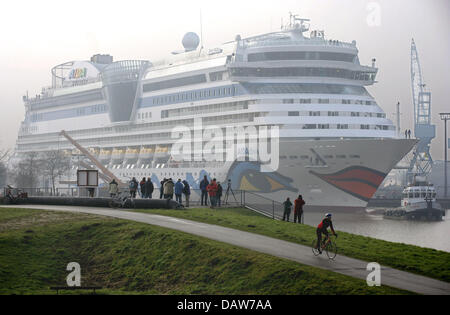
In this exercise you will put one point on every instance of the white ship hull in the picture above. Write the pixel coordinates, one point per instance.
(347, 180)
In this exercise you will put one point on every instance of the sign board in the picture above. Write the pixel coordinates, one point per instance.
(87, 178)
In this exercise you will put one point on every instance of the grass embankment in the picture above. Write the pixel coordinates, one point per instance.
(133, 258)
(423, 261)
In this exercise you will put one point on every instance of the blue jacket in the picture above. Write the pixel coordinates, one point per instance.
(179, 188)
(204, 184)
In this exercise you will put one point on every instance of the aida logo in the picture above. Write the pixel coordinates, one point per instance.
(78, 74)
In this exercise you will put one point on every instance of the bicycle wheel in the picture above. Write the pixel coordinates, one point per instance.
(112, 204)
(314, 248)
(129, 203)
(331, 250)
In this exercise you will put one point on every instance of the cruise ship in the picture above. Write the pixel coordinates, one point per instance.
(333, 141)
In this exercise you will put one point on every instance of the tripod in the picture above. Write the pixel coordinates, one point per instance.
(227, 194)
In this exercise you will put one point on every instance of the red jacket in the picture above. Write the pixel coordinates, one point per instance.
(212, 189)
(299, 204)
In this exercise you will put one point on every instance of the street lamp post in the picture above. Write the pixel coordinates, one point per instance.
(445, 117)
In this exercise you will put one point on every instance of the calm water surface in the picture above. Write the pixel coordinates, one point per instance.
(425, 234)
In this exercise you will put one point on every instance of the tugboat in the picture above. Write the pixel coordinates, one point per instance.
(418, 203)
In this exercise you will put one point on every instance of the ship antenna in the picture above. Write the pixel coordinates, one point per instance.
(201, 31)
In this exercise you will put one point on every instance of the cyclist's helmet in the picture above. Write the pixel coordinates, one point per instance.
(328, 215)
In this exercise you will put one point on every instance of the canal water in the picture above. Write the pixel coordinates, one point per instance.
(424, 234)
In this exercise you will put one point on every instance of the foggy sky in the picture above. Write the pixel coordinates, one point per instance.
(37, 35)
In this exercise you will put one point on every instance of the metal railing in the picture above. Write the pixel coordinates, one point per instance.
(234, 198)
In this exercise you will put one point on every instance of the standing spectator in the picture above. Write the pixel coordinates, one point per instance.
(219, 194)
(113, 188)
(149, 188)
(179, 191)
(409, 133)
(186, 192)
(133, 187)
(161, 189)
(298, 209)
(168, 189)
(287, 209)
(203, 187)
(142, 187)
(212, 190)
(406, 134)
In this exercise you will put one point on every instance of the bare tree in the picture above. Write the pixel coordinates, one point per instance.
(54, 165)
(4, 155)
(26, 172)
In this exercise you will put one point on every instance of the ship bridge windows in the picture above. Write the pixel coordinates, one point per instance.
(293, 114)
(300, 55)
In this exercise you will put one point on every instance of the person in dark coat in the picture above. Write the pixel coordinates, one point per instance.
(186, 192)
(298, 209)
(161, 189)
(133, 187)
(203, 187)
(287, 209)
(142, 187)
(149, 188)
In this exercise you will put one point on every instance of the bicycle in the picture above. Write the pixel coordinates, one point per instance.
(118, 201)
(328, 245)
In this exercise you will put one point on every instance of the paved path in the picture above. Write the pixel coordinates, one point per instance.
(295, 252)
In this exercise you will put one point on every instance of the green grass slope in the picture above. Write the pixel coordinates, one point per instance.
(134, 258)
(424, 261)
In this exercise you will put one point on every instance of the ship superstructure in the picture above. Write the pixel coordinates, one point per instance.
(336, 144)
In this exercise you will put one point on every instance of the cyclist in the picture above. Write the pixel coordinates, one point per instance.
(322, 228)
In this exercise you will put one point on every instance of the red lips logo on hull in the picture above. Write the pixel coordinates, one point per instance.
(360, 182)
